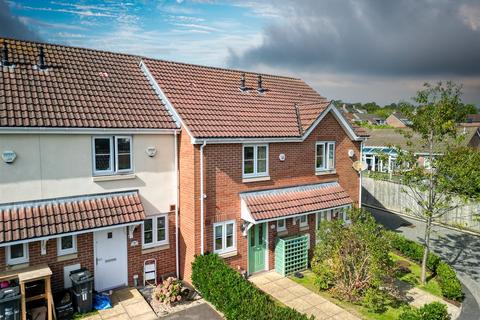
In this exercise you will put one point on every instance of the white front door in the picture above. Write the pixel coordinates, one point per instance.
(110, 259)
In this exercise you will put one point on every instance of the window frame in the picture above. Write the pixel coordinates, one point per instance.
(113, 139)
(64, 252)
(327, 145)
(255, 161)
(15, 261)
(303, 224)
(225, 249)
(155, 242)
(284, 228)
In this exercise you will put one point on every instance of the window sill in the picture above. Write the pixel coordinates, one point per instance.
(325, 172)
(67, 257)
(114, 177)
(155, 249)
(303, 228)
(282, 233)
(17, 266)
(255, 179)
(228, 254)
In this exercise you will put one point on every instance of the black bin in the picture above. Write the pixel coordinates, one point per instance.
(64, 306)
(82, 287)
(10, 303)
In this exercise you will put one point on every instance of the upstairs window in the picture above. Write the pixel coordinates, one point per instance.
(112, 154)
(255, 160)
(325, 156)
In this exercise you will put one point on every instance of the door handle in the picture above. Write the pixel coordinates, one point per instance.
(97, 259)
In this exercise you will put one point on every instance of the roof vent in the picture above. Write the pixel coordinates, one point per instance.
(242, 83)
(259, 84)
(5, 61)
(41, 60)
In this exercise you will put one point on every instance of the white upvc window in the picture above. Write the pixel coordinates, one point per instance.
(224, 237)
(112, 154)
(325, 156)
(17, 254)
(66, 245)
(340, 213)
(281, 225)
(255, 160)
(303, 221)
(155, 231)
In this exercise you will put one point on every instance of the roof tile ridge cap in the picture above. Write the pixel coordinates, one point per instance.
(50, 44)
(224, 69)
(299, 120)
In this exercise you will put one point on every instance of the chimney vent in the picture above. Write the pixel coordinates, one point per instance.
(259, 82)
(41, 59)
(5, 61)
(242, 83)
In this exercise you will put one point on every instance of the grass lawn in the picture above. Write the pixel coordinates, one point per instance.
(413, 278)
(78, 316)
(393, 311)
(308, 281)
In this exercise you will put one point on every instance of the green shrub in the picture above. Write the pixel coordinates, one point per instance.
(325, 277)
(375, 300)
(431, 311)
(413, 251)
(449, 283)
(236, 297)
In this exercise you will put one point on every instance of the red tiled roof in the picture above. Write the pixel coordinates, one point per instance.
(81, 88)
(211, 104)
(43, 218)
(286, 202)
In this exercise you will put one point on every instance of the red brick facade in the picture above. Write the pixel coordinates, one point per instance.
(85, 256)
(223, 183)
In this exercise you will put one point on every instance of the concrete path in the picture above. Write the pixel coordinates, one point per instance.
(420, 298)
(298, 297)
(457, 248)
(127, 303)
(201, 312)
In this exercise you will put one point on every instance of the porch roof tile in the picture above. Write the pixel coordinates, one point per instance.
(285, 202)
(52, 217)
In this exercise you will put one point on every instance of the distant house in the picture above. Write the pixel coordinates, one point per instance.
(371, 119)
(379, 152)
(473, 118)
(398, 120)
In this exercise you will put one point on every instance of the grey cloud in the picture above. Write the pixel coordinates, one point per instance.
(12, 27)
(390, 38)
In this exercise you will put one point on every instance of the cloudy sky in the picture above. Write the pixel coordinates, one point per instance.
(354, 50)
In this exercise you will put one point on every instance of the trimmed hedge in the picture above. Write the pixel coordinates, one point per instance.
(446, 275)
(236, 297)
(449, 283)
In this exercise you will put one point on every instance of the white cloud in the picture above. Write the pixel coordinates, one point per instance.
(470, 15)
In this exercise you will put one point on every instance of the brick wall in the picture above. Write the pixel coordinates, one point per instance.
(223, 176)
(165, 257)
(84, 257)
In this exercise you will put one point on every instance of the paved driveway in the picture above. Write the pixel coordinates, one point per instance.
(459, 249)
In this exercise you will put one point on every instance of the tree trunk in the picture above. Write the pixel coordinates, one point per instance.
(428, 229)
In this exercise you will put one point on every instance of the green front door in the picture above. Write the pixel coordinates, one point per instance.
(257, 247)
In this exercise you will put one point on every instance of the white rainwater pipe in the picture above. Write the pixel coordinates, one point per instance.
(177, 196)
(202, 196)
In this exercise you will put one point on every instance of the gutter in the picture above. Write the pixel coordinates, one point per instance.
(202, 196)
(71, 130)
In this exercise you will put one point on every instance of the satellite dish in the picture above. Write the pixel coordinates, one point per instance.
(359, 166)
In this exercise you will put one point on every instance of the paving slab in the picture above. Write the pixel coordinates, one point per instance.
(298, 297)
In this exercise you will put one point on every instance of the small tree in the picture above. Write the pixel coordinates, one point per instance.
(453, 171)
(349, 260)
